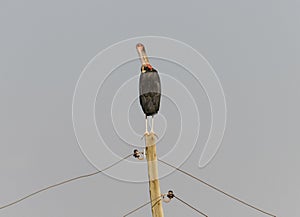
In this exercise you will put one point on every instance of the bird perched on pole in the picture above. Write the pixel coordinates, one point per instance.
(149, 88)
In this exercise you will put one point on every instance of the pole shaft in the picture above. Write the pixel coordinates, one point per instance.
(154, 188)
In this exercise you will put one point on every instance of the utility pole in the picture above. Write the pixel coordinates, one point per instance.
(154, 187)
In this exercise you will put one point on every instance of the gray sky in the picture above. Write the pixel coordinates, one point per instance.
(253, 47)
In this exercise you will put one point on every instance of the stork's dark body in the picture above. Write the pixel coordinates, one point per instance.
(150, 92)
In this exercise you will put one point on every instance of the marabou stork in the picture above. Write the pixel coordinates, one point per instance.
(149, 87)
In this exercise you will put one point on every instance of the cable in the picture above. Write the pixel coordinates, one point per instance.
(217, 189)
(182, 201)
(156, 203)
(63, 182)
(145, 204)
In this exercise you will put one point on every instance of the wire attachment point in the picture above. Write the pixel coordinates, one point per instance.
(168, 197)
(139, 155)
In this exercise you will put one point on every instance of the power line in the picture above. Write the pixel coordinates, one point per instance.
(145, 204)
(63, 182)
(217, 189)
(156, 203)
(187, 204)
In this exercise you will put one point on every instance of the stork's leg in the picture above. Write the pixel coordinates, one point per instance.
(146, 121)
(152, 128)
(152, 125)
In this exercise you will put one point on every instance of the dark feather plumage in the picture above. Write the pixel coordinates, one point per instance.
(150, 91)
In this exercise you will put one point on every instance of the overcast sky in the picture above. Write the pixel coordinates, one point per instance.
(253, 47)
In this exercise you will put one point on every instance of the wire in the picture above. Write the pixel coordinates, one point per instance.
(145, 204)
(63, 182)
(217, 189)
(182, 201)
(156, 203)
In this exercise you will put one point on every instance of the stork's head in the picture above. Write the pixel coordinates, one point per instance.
(147, 68)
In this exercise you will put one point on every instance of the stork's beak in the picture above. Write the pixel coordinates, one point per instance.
(142, 53)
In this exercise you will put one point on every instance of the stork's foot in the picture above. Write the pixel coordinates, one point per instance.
(145, 134)
(152, 132)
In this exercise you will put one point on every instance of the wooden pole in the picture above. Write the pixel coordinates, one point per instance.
(154, 188)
